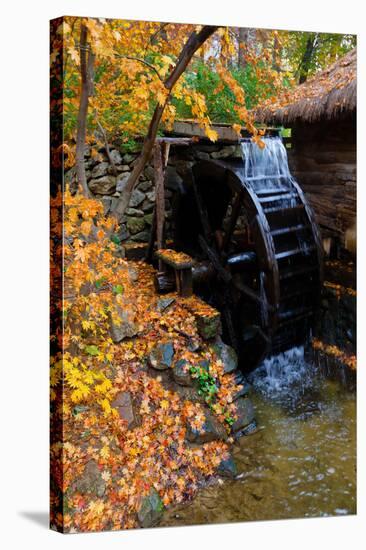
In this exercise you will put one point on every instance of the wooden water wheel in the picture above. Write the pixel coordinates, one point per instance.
(258, 256)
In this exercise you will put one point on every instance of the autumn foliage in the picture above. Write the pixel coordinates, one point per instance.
(90, 370)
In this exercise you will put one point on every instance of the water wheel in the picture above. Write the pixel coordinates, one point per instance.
(258, 256)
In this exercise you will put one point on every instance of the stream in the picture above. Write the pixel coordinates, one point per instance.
(301, 462)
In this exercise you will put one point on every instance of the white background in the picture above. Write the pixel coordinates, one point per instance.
(24, 273)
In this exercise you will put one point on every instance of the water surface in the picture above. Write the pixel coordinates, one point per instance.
(300, 463)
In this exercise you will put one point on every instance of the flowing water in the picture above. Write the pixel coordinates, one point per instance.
(267, 167)
(300, 463)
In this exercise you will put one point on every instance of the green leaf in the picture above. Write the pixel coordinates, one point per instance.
(118, 289)
(115, 239)
(99, 282)
(92, 350)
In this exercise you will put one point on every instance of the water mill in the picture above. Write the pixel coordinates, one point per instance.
(203, 275)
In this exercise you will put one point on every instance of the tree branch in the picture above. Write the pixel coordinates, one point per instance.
(193, 43)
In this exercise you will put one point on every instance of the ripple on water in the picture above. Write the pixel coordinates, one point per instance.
(300, 463)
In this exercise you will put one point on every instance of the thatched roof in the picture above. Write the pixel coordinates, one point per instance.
(327, 94)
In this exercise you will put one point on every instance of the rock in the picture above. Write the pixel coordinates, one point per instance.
(100, 170)
(225, 152)
(183, 169)
(125, 328)
(202, 155)
(145, 186)
(121, 182)
(142, 237)
(132, 273)
(147, 206)
(149, 218)
(134, 212)
(103, 186)
(127, 158)
(208, 326)
(189, 393)
(227, 355)
(248, 430)
(151, 195)
(106, 201)
(161, 356)
(137, 197)
(150, 510)
(227, 467)
(124, 403)
(181, 373)
(91, 481)
(116, 156)
(212, 430)
(149, 172)
(244, 390)
(244, 413)
(164, 303)
(135, 225)
(123, 168)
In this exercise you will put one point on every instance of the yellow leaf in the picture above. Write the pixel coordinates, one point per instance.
(211, 134)
(104, 452)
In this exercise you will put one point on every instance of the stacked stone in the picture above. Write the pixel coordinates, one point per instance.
(108, 184)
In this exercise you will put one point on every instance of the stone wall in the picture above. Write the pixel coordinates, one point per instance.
(104, 185)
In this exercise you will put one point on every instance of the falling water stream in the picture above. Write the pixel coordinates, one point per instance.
(301, 462)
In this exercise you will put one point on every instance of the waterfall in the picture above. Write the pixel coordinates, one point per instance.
(285, 375)
(267, 167)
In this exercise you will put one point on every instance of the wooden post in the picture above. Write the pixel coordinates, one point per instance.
(159, 198)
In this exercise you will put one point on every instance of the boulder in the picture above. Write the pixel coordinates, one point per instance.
(145, 186)
(227, 355)
(150, 510)
(181, 373)
(149, 218)
(142, 237)
(212, 430)
(126, 410)
(135, 225)
(151, 195)
(124, 328)
(248, 430)
(116, 156)
(106, 201)
(121, 182)
(134, 212)
(127, 158)
(244, 413)
(161, 356)
(123, 168)
(91, 481)
(164, 303)
(202, 155)
(137, 197)
(123, 234)
(147, 206)
(227, 468)
(100, 170)
(149, 172)
(103, 186)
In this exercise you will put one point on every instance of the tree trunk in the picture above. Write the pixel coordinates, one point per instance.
(243, 36)
(307, 57)
(86, 71)
(193, 43)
